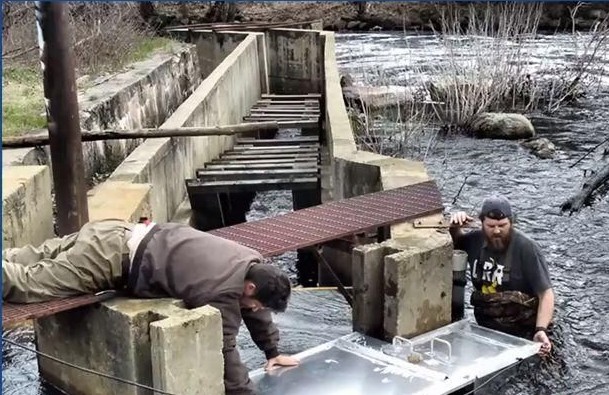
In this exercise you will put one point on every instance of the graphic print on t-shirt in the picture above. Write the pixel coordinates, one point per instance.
(490, 275)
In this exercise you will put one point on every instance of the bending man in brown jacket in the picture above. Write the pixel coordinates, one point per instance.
(159, 260)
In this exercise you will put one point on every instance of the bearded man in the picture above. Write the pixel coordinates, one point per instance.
(513, 292)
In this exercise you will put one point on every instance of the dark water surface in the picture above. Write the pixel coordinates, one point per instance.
(576, 247)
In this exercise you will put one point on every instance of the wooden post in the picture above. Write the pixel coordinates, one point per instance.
(62, 116)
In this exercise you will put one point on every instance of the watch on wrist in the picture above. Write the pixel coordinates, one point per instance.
(540, 329)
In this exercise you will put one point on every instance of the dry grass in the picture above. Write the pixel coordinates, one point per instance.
(497, 75)
(485, 67)
(105, 37)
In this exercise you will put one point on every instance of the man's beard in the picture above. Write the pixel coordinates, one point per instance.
(500, 242)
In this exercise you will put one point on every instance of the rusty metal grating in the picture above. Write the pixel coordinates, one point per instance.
(14, 313)
(319, 224)
(288, 232)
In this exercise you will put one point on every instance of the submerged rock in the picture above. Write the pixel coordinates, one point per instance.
(502, 126)
(540, 147)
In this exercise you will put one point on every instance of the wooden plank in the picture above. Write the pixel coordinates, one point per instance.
(256, 148)
(300, 124)
(278, 120)
(259, 174)
(271, 110)
(281, 116)
(260, 166)
(268, 156)
(266, 161)
(272, 150)
(290, 140)
(305, 103)
(282, 97)
(198, 187)
(286, 104)
(290, 108)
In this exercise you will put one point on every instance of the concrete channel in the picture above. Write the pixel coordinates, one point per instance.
(402, 286)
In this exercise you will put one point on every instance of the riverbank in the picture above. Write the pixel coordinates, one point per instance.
(371, 16)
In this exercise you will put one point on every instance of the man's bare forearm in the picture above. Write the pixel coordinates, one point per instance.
(545, 310)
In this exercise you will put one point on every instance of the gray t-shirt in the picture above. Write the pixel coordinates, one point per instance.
(521, 267)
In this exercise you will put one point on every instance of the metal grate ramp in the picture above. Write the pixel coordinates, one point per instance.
(330, 221)
(276, 235)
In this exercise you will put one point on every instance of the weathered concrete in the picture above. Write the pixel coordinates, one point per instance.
(119, 199)
(214, 46)
(417, 281)
(187, 352)
(369, 288)
(27, 211)
(224, 97)
(418, 290)
(128, 339)
(295, 61)
(143, 96)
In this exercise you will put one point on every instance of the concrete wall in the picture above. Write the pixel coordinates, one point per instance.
(295, 60)
(143, 96)
(156, 343)
(224, 97)
(408, 277)
(27, 212)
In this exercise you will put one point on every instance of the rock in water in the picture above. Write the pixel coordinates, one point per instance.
(540, 147)
(502, 126)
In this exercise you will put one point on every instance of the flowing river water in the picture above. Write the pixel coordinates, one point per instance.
(576, 246)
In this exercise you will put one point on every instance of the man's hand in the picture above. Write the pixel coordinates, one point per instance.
(281, 360)
(460, 218)
(546, 346)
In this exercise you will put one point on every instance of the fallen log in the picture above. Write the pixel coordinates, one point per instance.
(30, 141)
(576, 202)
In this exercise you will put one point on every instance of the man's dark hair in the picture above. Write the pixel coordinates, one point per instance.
(273, 286)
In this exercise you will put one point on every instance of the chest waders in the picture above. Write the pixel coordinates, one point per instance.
(496, 306)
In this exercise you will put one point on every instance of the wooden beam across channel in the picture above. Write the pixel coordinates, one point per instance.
(269, 156)
(272, 150)
(271, 110)
(283, 97)
(313, 160)
(250, 174)
(287, 103)
(262, 166)
(199, 187)
(287, 141)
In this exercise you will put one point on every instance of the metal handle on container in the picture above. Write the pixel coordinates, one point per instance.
(397, 340)
(450, 349)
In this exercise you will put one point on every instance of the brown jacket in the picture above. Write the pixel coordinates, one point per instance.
(200, 269)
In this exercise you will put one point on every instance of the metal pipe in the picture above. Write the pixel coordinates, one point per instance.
(62, 116)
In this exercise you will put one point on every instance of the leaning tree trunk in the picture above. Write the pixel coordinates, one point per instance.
(576, 202)
(220, 11)
(146, 10)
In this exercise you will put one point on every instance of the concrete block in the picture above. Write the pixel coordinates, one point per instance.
(114, 337)
(27, 206)
(295, 61)
(418, 290)
(120, 200)
(187, 353)
(368, 288)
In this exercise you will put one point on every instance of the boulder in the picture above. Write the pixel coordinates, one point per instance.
(505, 126)
(352, 25)
(540, 147)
